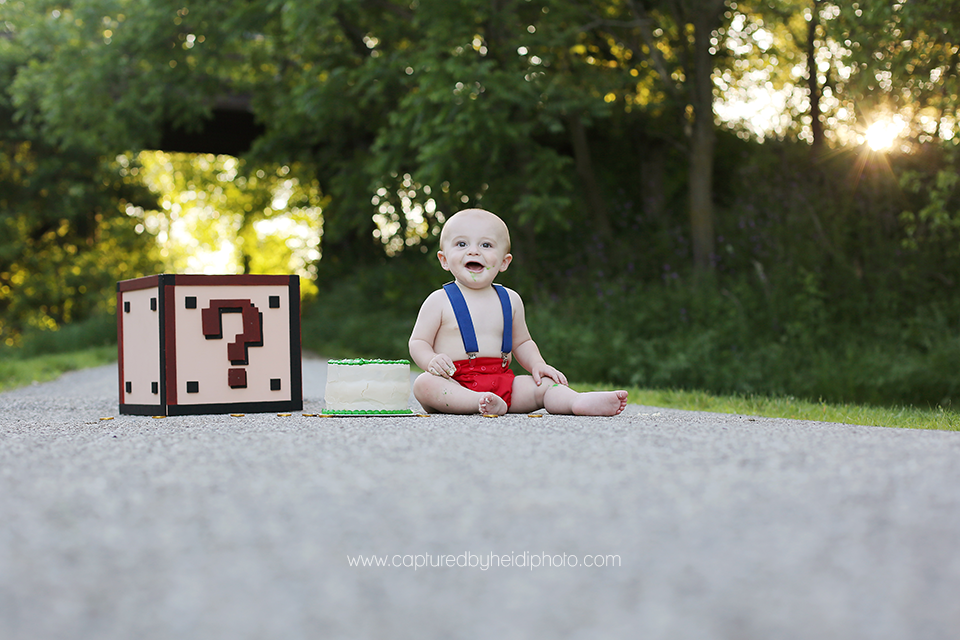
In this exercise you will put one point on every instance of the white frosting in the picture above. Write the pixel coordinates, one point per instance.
(367, 387)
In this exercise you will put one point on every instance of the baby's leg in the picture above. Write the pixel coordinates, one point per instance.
(526, 396)
(560, 399)
(441, 395)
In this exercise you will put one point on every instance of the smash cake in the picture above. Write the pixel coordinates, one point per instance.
(367, 387)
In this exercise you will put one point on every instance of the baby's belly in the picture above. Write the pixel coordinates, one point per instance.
(453, 347)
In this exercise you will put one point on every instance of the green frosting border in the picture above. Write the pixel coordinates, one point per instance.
(362, 361)
(362, 412)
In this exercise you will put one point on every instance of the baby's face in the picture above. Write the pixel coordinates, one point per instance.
(475, 248)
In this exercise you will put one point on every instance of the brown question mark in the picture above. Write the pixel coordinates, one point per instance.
(251, 336)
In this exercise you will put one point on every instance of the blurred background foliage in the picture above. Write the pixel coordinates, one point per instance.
(756, 196)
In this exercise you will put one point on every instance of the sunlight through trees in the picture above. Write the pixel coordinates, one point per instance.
(217, 215)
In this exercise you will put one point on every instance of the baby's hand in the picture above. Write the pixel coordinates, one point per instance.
(442, 365)
(544, 370)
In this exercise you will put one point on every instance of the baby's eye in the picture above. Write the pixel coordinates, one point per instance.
(487, 245)
(461, 243)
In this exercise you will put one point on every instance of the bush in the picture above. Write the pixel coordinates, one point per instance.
(692, 339)
(95, 331)
(371, 312)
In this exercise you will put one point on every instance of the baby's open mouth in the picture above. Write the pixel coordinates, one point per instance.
(474, 267)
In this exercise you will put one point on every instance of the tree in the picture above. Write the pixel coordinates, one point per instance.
(66, 235)
(406, 111)
(676, 38)
(366, 93)
(448, 97)
(813, 80)
(903, 58)
(432, 107)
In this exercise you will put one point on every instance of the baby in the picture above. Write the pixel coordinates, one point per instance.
(467, 333)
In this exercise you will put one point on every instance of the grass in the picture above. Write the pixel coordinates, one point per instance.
(18, 371)
(792, 408)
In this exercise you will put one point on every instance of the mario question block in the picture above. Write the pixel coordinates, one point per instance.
(191, 344)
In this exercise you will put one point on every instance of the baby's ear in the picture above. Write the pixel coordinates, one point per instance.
(443, 261)
(507, 259)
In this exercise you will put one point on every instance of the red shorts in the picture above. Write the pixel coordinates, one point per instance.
(485, 374)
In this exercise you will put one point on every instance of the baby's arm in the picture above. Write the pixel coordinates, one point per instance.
(424, 336)
(526, 351)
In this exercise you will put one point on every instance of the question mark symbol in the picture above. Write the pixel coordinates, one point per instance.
(251, 336)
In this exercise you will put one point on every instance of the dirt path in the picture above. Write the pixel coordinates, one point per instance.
(705, 526)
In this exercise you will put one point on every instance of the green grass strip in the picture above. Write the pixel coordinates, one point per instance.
(17, 371)
(794, 409)
(363, 361)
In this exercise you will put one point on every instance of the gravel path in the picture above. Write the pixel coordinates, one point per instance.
(710, 526)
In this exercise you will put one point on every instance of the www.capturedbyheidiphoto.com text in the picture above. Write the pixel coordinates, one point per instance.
(524, 560)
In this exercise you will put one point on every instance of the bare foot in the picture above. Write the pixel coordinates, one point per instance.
(492, 404)
(600, 403)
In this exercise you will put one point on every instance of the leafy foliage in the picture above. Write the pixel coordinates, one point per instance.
(589, 126)
(65, 237)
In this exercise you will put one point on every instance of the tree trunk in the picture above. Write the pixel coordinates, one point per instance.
(816, 126)
(702, 142)
(653, 178)
(588, 179)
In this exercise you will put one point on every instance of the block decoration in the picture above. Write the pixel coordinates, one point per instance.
(193, 344)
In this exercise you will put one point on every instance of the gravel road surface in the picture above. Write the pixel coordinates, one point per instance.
(703, 526)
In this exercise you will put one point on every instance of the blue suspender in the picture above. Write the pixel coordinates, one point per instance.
(507, 345)
(467, 332)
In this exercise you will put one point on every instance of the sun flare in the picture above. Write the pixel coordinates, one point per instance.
(882, 135)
